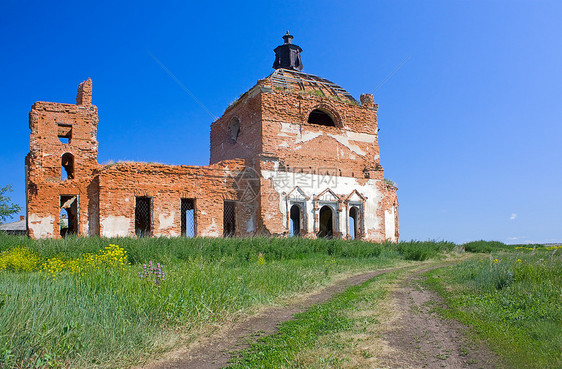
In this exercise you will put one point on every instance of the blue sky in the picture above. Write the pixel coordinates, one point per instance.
(470, 123)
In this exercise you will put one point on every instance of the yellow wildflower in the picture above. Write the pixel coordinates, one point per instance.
(19, 259)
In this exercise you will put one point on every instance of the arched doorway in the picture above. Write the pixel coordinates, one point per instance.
(354, 223)
(295, 226)
(326, 226)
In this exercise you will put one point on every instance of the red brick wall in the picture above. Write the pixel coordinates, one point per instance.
(44, 184)
(248, 144)
(166, 185)
(274, 135)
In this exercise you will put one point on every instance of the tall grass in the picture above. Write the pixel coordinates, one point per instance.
(423, 250)
(511, 299)
(213, 249)
(111, 318)
(104, 316)
(241, 249)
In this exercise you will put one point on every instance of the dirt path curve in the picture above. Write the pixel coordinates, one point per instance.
(214, 352)
(418, 337)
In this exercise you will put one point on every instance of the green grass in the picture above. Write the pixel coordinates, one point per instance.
(113, 319)
(166, 250)
(420, 250)
(512, 300)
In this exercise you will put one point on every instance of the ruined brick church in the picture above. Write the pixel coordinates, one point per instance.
(296, 155)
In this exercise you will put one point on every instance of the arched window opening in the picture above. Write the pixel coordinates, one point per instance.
(354, 223)
(233, 130)
(67, 164)
(320, 117)
(326, 227)
(295, 226)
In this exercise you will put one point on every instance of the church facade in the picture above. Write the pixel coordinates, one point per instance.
(296, 155)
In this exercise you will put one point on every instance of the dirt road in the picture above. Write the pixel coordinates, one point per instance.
(414, 336)
(417, 337)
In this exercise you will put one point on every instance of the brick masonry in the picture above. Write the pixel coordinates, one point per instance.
(265, 157)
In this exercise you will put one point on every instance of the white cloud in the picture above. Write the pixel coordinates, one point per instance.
(513, 216)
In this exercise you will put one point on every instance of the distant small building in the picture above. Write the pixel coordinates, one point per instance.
(18, 228)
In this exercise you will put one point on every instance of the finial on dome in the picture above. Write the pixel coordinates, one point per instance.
(288, 38)
(288, 55)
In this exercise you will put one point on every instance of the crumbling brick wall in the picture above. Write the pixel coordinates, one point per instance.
(59, 129)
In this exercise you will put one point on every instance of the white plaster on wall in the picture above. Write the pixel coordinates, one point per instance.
(42, 227)
(342, 186)
(115, 226)
(290, 128)
(307, 136)
(346, 139)
(346, 142)
(211, 230)
(389, 227)
(166, 221)
(361, 137)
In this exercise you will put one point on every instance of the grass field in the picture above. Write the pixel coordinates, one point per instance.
(68, 309)
(79, 302)
(511, 299)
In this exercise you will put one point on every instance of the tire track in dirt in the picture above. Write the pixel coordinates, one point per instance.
(416, 337)
(419, 338)
(214, 352)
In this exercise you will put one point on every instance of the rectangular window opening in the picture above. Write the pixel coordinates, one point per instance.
(229, 219)
(68, 215)
(64, 132)
(143, 217)
(188, 228)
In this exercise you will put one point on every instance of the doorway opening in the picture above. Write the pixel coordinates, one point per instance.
(295, 217)
(68, 215)
(354, 223)
(326, 229)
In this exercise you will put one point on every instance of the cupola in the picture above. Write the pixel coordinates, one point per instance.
(288, 55)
